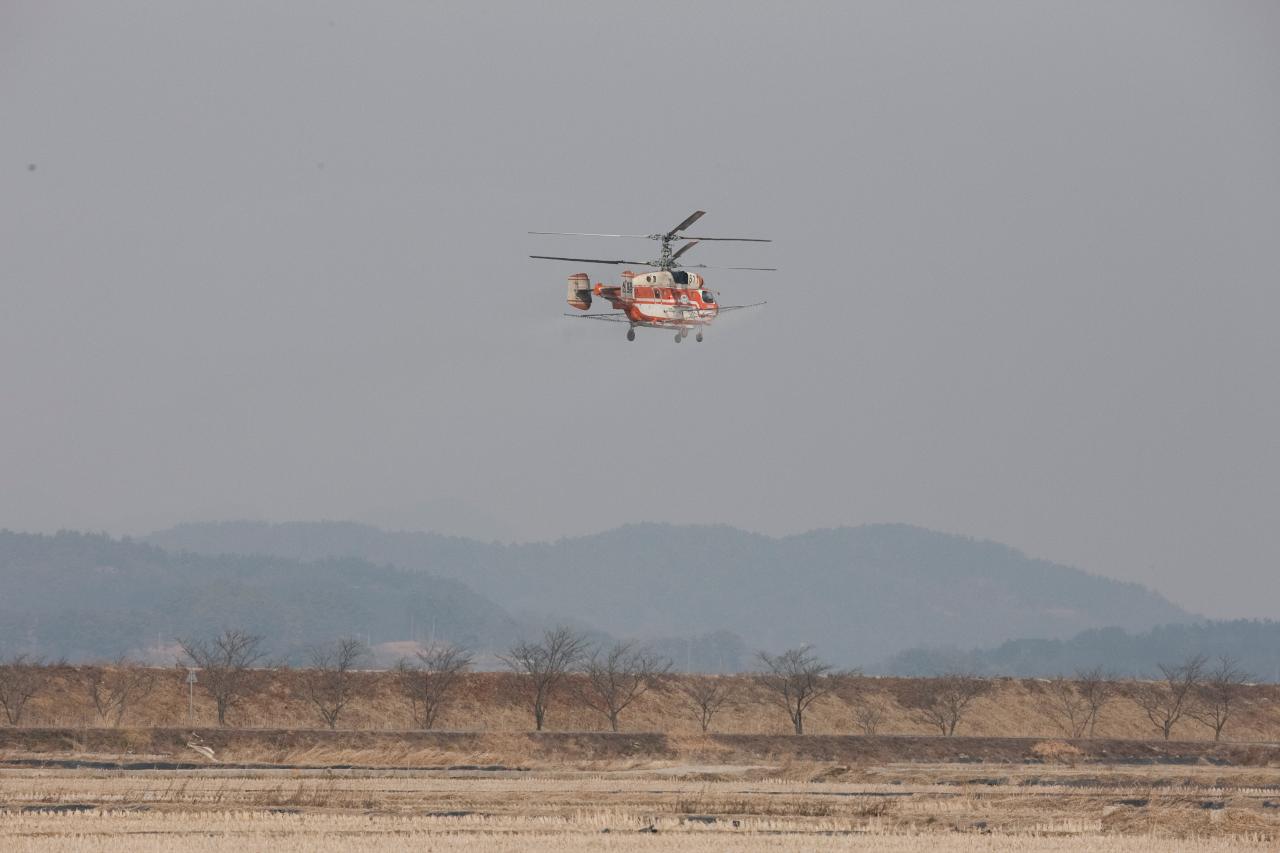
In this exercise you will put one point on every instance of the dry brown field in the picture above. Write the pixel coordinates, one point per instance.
(275, 781)
(486, 703)
(656, 806)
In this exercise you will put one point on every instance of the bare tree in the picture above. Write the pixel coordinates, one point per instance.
(21, 678)
(1097, 687)
(1219, 695)
(227, 667)
(1063, 703)
(796, 679)
(1166, 701)
(113, 687)
(614, 678)
(330, 682)
(868, 713)
(540, 667)
(942, 701)
(707, 694)
(429, 682)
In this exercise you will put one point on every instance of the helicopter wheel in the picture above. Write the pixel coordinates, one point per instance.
(631, 334)
(679, 337)
(698, 337)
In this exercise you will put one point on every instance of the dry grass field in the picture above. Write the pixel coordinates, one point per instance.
(680, 808)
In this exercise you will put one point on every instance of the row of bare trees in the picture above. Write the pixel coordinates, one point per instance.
(1194, 689)
(230, 666)
(612, 677)
(110, 690)
(609, 679)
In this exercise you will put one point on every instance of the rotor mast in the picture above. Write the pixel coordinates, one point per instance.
(667, 261)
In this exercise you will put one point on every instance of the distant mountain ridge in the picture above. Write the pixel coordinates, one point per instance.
(859, 594)
(1253, 643)
(90, 597)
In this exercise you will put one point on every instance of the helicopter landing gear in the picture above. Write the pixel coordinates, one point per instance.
(679, 337)
(698, 337)
(631, 334)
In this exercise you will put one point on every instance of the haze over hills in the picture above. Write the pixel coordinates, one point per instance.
(859, 594)
(1253, 643)
(90, 597)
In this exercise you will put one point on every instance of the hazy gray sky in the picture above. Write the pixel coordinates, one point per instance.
(269, 261)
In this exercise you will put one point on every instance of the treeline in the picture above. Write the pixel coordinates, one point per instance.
(565, 668)
(1253, 643)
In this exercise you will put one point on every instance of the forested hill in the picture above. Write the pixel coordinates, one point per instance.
(90, 597)
(1255, 644)
(859, 594)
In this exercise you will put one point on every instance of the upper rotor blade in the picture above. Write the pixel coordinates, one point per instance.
(732, 239)
(686, 247)
(590, 260)
(589, 234)
(709, 267)
(693, 217)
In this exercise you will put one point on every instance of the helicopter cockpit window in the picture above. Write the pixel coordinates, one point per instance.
(708, 297)
(680, 276)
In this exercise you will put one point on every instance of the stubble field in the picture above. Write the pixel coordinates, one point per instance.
(650, 806)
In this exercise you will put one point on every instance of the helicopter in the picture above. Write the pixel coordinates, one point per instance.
(668, 297)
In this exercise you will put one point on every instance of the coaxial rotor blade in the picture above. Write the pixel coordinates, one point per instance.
(686, 247)
(732, 239)
(693, 217)
(709, 267)
(590, 260)
(589, 234)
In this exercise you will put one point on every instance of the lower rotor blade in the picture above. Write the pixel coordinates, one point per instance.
(732, 239)
(588, 234)
(708, 267)
(590, 260)
(686, 247)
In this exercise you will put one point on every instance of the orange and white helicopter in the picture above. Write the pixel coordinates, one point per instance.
(669, 297)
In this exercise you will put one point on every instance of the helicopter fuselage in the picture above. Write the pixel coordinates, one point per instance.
(660, 299)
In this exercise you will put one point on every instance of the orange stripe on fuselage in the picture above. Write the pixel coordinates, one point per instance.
(647, 295)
